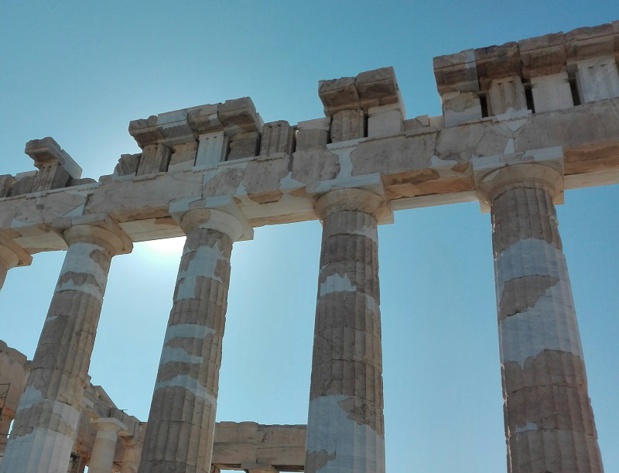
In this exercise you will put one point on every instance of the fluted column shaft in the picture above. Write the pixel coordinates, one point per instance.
(48, 413)
(181, 423)
(77, 465)
(549, 423)
(5, 424)
(345, 431)
(131, 457)
(104, 447)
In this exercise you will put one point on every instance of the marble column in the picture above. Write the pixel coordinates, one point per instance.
(549, 423)
(77, 464)
(104, 447)
(181, 423)
(11, 255)
(5, 425)
(48, 413)
(131, 457)
(345, 428)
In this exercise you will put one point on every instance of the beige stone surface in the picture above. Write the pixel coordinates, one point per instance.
(48, 413)
(368, 89)
(180, 432)
(235, 444)
(104, 448)
(549, 422)
(551, 92)
(277, 137)
(501, 106)
(47, 151)
(249, 443)
(13, 377)
(345, 430)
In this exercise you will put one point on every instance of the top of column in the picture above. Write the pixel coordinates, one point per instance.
(541, 168)
(11, 254)
(218, 213)
(101, 230)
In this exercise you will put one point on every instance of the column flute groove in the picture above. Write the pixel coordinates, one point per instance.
(180, 430)
(345, 423)
(549, 424)
(48, 413)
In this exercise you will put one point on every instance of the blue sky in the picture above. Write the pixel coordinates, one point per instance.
(80, 71)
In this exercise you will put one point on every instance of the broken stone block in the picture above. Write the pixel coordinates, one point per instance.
(145, 131)
(6, 183)
(589, 42)
(338, 94)
(461, 107)
(312, 134)
(81, 181)
(50, 176)
(239, 116)
(497, 62)
(505, 95)
(174, 127)
(244, 145)
(551, 92)
(543, 55)
(184, 156)
(378, 87)
(204, 119)
(23, 183)
(47, 151)
(456, 72)
(347, 125)
(211, 148)
(277, 137)
(154, 159)
(386, 120)
(55, 165)
(597, 79)
(368, 89)
(127, 165)
(416, 123)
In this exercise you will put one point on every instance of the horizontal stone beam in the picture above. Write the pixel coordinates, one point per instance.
(423, 165)
(248, 445)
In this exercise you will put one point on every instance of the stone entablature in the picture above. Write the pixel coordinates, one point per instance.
(225, 149)
(424, 165)
(551, 72)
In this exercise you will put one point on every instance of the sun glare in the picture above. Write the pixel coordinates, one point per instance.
(166, 247)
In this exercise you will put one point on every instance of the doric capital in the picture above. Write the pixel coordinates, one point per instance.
(109, 424)
(360, 200)
(363, 193)
(11, 254)
(99, 230)
(218, 213)
(541, 168)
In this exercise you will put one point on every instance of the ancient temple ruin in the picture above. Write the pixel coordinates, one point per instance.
(521, 123)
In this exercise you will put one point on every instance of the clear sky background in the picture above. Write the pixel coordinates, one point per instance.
(80, 71)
